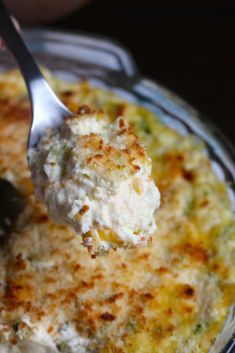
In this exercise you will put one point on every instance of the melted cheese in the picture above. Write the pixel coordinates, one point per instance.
(172, 297)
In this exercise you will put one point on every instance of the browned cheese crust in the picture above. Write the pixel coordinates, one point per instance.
(170, 297)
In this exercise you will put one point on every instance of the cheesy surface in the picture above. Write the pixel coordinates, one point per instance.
(171, 297)
(94, 175)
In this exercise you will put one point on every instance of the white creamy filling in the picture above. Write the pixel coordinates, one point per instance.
(91, 198)
(35, 338)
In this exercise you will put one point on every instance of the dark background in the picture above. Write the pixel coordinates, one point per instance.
(188, 48)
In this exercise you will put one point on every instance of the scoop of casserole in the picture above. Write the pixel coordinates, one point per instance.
(94, 175)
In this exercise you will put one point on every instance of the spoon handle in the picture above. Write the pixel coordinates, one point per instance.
(15, 44)
(47, 110)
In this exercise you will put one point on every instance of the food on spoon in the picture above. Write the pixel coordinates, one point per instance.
(94, 175)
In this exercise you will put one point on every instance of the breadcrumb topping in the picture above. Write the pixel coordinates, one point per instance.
(94, 175)
(171, 297)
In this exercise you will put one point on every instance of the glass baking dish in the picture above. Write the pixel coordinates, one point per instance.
(105, 63)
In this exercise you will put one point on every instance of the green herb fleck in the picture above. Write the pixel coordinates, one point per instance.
(131, 326)
(143, 125)
(62, 347)
(198, 328)
(15, 326)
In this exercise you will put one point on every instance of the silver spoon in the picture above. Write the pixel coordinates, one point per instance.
(47, 110)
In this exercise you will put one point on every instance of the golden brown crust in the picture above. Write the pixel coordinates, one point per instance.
(173, 295)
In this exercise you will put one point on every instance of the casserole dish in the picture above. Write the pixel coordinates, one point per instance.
(107, 65)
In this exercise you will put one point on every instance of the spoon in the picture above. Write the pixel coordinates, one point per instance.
(47, 110)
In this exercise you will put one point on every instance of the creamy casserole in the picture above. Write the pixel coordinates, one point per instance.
(171, 297)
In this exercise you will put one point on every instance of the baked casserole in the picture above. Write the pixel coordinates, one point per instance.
(170, 297)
